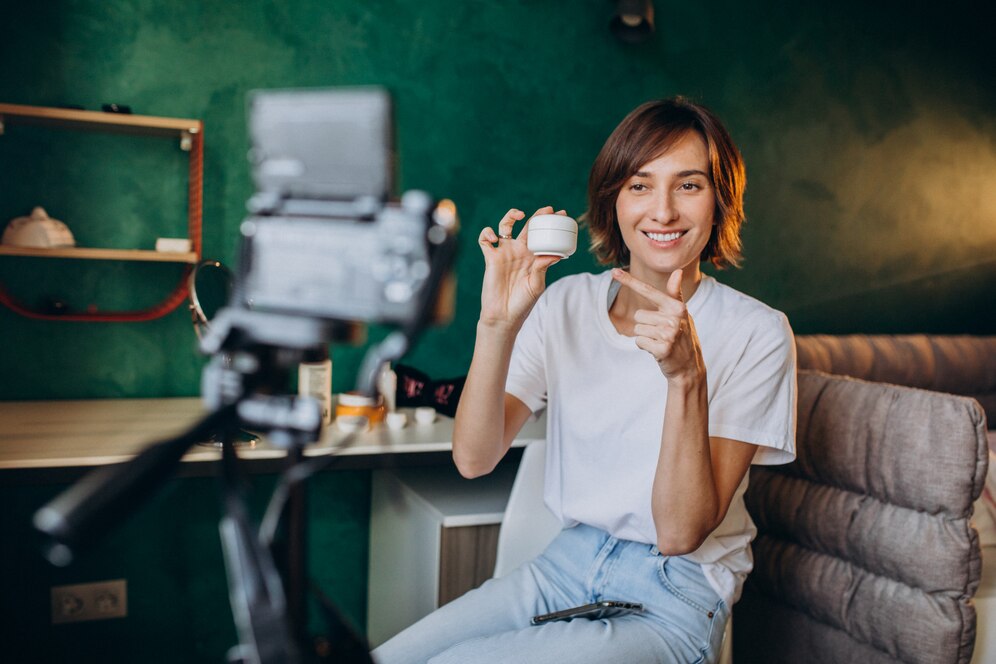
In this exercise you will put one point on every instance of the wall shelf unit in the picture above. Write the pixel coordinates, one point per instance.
(103, 254)
(190, 135)
(65, 118)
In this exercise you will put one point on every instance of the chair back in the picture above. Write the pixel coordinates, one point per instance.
(528, 526)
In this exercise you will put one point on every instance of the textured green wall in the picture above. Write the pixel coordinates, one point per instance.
(868, 131)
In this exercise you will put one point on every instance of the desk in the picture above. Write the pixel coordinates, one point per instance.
(73, 434)
(170, 557)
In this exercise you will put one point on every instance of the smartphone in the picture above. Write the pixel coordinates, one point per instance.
(594, 611)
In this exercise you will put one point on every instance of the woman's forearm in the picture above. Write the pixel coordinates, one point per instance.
(479, 436)
(685, 501)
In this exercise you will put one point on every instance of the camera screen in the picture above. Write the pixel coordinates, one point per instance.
(315, 144)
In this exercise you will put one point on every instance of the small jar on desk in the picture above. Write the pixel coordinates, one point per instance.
(355, 411)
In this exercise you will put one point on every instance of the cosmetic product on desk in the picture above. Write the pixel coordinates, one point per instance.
(396, 420)
(352, 405)
(314, 379)
(425, 415)
(387, 386)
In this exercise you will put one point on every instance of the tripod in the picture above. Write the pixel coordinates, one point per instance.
(267, 579)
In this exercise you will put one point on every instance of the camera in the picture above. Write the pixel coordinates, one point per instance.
(323, 244)
(366, 266)
(323, 239)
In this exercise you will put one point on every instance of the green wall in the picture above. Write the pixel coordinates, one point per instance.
(868, 131)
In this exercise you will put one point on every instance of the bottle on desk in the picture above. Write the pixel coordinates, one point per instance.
(314, 379)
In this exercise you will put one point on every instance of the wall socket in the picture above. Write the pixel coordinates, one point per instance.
(90, 601)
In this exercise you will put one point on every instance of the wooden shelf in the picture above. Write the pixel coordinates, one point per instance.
(102, 254)
(191, 139)
(11, 114)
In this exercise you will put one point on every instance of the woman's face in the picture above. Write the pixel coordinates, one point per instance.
(667, 208)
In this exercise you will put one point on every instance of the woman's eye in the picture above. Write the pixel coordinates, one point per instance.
(638, 187)
(689, 186)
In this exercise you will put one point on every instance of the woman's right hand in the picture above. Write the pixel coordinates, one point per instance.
(514, 278)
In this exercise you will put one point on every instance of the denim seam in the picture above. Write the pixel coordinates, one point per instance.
(595, 569)
(704, 651)
(674, 590)
(607, 572)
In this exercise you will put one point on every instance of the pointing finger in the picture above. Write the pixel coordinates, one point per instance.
(639, 287)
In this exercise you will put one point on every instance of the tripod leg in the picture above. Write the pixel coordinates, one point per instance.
(255, 589)
(296, 550)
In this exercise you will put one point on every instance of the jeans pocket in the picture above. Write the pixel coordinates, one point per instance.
(673, 582)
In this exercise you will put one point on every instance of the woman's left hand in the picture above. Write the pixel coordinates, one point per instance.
(667, 331)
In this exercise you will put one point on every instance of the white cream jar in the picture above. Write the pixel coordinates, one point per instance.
(552, 235)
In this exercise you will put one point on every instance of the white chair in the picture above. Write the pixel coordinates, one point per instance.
(528, 526)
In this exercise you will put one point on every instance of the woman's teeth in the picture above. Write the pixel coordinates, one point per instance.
(664, 237)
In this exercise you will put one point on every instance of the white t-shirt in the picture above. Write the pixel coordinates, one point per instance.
(605, 400)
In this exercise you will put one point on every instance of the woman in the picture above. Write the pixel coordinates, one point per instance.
(661, 387)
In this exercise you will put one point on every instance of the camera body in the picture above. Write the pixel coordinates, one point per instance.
(323, 245)
(322, 239)
(366, 266)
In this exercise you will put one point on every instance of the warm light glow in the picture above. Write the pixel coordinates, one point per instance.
(446, 214)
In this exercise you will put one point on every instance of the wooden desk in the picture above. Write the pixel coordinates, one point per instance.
(55, 442)
(73, 434)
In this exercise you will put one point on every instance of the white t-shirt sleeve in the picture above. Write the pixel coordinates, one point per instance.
(757, 403)
(527, 369)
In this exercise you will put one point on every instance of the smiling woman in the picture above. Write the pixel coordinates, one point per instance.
(648, 133)
(665, 213)
(661, 387)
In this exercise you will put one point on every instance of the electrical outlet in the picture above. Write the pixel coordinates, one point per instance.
(90, 601)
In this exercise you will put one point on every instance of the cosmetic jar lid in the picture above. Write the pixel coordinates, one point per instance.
(553, 222)
(358, 400)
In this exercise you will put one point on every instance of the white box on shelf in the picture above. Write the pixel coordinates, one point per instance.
(179, 245)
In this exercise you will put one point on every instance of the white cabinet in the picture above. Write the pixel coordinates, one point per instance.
(433, 536)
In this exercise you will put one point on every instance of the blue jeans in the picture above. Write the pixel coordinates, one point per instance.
(683, 621)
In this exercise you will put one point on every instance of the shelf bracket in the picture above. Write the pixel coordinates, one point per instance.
(187, 139)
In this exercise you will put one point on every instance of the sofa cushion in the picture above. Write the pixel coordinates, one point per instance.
(957, 364)
(868, 533)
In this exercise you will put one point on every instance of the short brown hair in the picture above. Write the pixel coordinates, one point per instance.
(644, 135)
